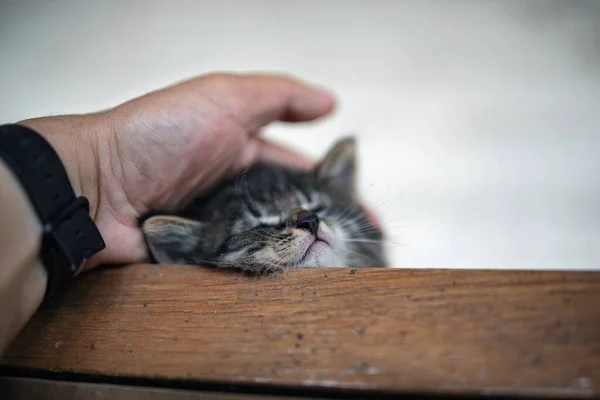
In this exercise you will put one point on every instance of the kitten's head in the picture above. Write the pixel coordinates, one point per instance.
(271, 218)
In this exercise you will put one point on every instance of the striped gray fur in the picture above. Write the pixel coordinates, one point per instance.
(271, 218)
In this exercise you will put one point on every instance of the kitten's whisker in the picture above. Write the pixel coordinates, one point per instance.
(383, 241)
(352, 207)
(266, 236)
(390, 221)
(388, 201)
(361, 225)
(355, 253)
(342, 214)
(362, 241)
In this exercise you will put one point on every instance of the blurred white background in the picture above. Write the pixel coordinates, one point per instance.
(478, 121)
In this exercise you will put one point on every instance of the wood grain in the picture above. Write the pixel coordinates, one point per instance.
(474, 332)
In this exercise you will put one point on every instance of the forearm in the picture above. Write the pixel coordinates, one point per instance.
(22, 276)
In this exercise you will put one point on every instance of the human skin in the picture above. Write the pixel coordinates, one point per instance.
(157, 151)
(154, 152)
(160, 150)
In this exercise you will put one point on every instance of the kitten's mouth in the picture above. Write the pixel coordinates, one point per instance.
(320, 239)
(318, 244)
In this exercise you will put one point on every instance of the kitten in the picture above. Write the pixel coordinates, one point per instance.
(272, 218)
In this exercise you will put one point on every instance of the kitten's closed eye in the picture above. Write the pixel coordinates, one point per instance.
(317, 209)
(274, 218)
(268, 221)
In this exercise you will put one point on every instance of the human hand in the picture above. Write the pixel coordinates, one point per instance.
(162, 149)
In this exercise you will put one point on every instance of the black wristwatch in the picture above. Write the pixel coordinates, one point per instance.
(70, 236)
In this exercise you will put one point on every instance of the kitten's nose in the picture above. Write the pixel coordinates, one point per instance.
(308, 220)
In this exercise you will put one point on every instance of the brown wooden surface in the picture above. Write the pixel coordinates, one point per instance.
(396, 330)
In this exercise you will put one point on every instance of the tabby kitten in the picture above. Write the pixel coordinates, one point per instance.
(273, 218)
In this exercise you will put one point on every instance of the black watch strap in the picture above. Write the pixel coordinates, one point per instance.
(70, 236)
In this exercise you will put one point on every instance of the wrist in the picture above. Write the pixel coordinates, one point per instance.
(75, 139)
(23, 279)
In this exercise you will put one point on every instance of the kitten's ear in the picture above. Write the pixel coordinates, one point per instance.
(338, 168)
(173, 240)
